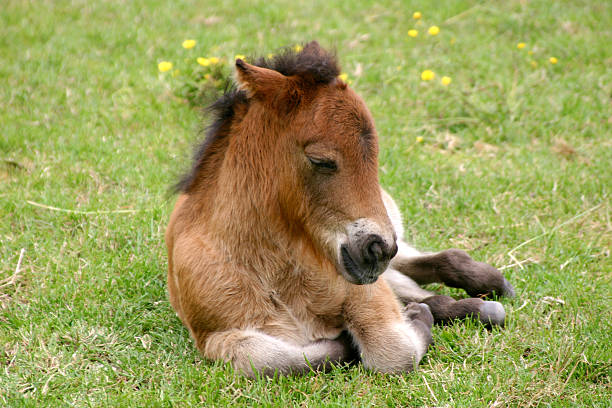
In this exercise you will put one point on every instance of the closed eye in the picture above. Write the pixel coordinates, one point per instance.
(323, 165)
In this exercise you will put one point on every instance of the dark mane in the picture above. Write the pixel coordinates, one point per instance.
(316, 64)
(311, 62)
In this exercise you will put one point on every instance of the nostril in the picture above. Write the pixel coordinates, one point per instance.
(375, 250)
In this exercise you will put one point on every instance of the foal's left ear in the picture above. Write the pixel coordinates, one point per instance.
(257, 81)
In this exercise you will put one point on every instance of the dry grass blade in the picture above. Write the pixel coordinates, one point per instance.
(48, 207)
(13, 278)
(554, 229)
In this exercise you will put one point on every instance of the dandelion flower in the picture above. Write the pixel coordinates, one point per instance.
(187, 44)
(413, 33)
(164, 66)
(446, 80)
(534, 64)
(427, 75)
(417, 15)
(213, 60)
(298, 48)
(343, 76)
(207, 76)
(520, 46)
(553, 60)
(239, 56)
(434, 30)
(419, 139)
(399, 68)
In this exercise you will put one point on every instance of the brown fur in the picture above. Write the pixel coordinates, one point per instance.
(280, 215)
(251, 270)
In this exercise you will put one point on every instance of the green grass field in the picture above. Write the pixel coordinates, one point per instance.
(511, 162)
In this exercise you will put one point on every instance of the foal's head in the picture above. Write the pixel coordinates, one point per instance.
(319, 138)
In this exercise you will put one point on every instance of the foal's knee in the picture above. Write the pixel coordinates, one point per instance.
(404, 344)
(244, 350)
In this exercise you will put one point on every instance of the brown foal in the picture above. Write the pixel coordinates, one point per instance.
(281, 234)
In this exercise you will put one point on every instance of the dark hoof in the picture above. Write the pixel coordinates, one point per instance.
(419, 311)
(492, 313)
(420, 317)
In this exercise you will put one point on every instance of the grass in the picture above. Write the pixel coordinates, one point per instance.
(514, 167)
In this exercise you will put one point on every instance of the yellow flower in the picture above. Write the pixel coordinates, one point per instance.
(187, 44)
(343, 76)
(453, 40)
(534, 64)
(553, 60)
(520, 46)
(413, 33)
(164, 66)
(207, 76)
(446, 80)
(239, 56)
(419, 139)
(298, 48)
(203, 61)
(399, 68)
(434, 30)
(417, 15)
(213, 60)
(427, 75)
(270, 55)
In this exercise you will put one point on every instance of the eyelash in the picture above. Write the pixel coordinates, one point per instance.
(323, 165)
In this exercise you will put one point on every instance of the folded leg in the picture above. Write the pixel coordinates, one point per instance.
(390, 338)
(453, 268)
(444, 308)
(252, 352)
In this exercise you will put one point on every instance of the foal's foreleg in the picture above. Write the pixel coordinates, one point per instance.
(251, 352)
(390, 338)
(453, 268)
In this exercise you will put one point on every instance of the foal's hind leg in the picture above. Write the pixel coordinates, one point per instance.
(444, 308)
(251, 352)
(453, 268)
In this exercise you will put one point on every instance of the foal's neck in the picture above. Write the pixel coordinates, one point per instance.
(243, 212)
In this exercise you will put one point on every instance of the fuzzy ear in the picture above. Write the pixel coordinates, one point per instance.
(312, 47)
(257, 81)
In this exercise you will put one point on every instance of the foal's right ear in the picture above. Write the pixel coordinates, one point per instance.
(259, 82)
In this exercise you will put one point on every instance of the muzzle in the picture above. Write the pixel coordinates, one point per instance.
(367, 252)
